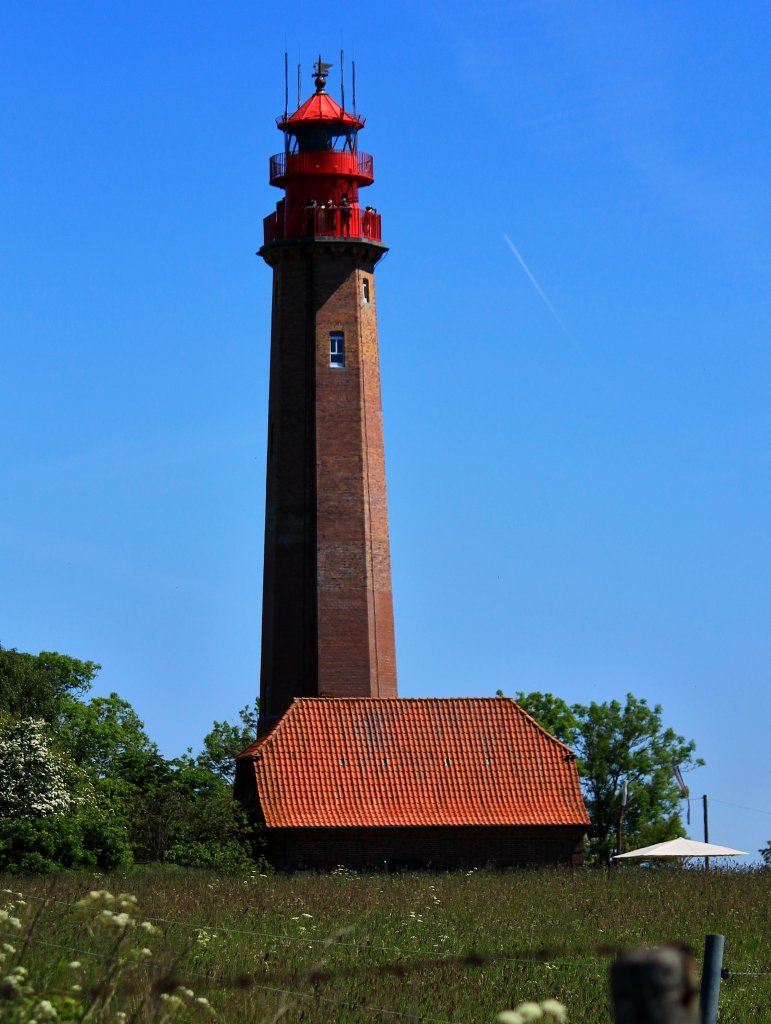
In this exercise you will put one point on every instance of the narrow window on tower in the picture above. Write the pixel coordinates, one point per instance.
(365, 289)
(337, 348)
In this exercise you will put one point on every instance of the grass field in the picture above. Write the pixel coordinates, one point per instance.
(352, 948)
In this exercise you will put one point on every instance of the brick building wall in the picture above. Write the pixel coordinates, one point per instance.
(438, 847)
(327, 605)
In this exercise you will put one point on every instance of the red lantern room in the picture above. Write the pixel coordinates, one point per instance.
(321, 171)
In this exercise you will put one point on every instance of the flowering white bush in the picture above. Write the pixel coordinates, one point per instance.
(32, 778)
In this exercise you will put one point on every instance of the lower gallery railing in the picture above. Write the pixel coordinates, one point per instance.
(323, 222)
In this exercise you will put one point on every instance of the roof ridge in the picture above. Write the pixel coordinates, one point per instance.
(538, 726)
(402, 700)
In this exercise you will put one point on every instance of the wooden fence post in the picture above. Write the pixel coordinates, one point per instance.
(710, 977)
(654, 985)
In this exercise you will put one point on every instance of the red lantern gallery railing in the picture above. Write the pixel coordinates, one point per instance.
(328, 162)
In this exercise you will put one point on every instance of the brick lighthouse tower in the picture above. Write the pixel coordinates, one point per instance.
(327, 620)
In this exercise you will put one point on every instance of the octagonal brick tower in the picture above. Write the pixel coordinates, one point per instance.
(327, 620)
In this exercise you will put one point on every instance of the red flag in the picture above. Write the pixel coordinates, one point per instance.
(681, 784)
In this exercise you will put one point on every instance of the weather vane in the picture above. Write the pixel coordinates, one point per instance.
(320, 71)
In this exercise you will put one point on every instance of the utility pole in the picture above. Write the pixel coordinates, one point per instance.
(621, 810)
(706, 829)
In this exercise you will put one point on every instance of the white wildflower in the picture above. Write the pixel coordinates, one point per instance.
(555, 1009)
(45, 1010)
(509, 1017)
(530, 1011)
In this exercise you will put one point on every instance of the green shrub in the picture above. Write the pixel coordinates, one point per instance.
(221, 856)
(82, 840)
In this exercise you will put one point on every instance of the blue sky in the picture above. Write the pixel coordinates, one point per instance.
(579, 503)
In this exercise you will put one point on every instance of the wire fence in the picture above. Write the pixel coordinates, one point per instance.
(546, 957)
(168, 982)
(410, 960)
(295, 989)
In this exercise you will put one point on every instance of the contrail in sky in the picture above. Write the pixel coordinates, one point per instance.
(542, 293)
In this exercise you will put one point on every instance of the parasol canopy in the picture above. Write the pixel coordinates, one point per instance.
(683, 848)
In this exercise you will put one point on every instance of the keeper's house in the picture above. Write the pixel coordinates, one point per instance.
(368, 782)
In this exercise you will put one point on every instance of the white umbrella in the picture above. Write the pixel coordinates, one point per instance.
(683, 848)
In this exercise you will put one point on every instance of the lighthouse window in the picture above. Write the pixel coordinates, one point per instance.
(337, 348)
(365, 289)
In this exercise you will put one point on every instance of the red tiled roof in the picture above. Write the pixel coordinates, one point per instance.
(394, 761)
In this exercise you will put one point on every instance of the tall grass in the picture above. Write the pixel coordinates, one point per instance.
(456, 947)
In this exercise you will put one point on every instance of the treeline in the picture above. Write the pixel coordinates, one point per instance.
(83, 786)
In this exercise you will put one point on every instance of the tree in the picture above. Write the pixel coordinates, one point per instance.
(225, 740)
(181, 813)
(765, 853)
(617, 743)
(102, 734)
(553, 714)
(33, 779)
(32, 686)
(83, 785)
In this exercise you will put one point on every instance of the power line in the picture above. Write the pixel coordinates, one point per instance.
(741, 807)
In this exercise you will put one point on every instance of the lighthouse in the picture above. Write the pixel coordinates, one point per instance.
(342, 771)
(327, 615)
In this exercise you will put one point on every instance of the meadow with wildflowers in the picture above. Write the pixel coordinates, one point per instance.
(344, 947)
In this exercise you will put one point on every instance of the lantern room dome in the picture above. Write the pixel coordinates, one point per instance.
(319, 109)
